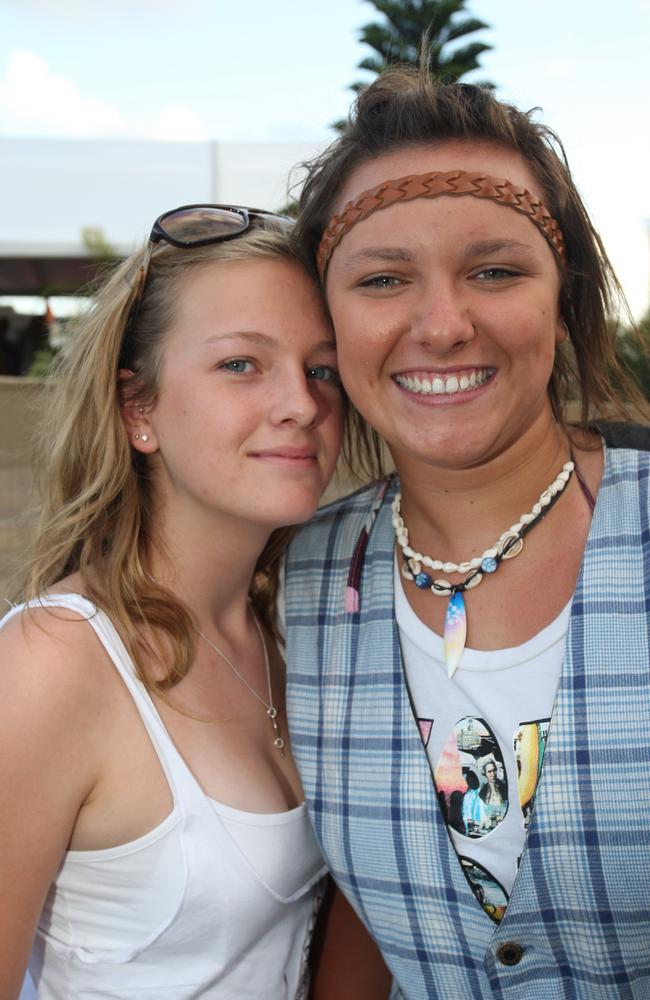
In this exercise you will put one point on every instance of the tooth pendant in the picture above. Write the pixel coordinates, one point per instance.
(455, 633)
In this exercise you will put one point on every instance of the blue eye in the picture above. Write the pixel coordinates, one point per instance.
(238, 365)
(496, 274)
(324, 373)
(380, 281)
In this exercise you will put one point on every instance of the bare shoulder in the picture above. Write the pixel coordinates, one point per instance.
(57, 698)
(47, 632)
(52, 666)
(54, 717)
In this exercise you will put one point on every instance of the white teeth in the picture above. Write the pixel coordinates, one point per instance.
(441, 385)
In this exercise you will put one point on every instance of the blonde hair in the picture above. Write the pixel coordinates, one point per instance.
(95, 490)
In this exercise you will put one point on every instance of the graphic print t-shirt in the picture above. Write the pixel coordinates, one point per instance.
(485, 732)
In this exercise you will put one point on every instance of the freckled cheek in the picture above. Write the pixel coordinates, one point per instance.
(363, 386)
(349, 348)
(330, 409)
(332, 439)
(365, 341)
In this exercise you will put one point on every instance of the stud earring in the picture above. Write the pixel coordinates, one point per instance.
(144, 437)
(141, 409)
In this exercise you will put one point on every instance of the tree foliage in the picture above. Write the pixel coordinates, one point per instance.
(95, 242)
(634, 350)
(398, 38)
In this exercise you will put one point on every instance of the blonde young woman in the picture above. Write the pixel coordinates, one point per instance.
(154, 837)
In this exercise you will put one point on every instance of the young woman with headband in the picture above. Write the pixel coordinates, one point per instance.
(155, 838)
(468, 638)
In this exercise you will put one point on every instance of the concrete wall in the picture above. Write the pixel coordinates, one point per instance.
(21, 406)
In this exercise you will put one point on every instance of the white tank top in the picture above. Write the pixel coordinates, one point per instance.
(214, 902)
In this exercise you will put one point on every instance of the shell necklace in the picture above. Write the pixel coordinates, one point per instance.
(271, 710)
(507, 546)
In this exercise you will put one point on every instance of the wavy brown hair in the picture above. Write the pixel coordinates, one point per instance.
(96, 509)
(404, 107)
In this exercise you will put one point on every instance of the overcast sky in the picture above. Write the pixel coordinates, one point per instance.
(279, 71)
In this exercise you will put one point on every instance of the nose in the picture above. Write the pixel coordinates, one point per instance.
(442, 321)
(294, 401)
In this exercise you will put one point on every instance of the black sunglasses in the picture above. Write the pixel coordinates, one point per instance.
(192, 226)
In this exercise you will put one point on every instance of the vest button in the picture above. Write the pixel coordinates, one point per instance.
(509, 953)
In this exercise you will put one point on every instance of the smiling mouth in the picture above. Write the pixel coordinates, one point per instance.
(287, 454)
(449, 384)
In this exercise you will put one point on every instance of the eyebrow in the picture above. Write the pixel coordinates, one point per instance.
(253, 335)
(325, 345)
(395, 254)
(263, 339)
(488, 247)
(405, 256)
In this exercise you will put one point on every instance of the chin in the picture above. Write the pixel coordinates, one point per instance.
(284, 514)
(448, 451)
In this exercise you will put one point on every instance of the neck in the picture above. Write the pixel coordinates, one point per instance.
(454, 513)
(209, 566)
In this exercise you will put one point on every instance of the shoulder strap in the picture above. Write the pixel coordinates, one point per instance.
(179, 777)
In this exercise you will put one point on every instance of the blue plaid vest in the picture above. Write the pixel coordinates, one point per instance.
(580, 908)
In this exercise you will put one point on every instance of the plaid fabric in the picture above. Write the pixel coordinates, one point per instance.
(580, 907)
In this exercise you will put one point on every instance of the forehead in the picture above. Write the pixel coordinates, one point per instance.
(454, 154)
(273, 296)
(237, 288)
(371, 208)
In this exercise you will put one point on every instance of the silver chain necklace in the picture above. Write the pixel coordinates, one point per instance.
(271, 710)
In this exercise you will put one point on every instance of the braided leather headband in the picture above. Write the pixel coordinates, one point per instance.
(431, 185)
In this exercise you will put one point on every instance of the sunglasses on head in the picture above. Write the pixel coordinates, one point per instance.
(193, 226)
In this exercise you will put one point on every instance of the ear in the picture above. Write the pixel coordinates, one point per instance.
(561, 331)
(135, 414)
